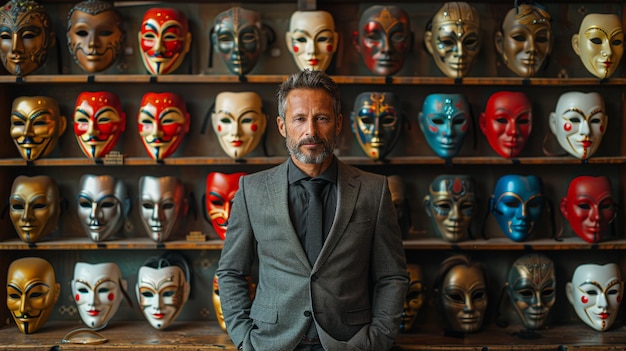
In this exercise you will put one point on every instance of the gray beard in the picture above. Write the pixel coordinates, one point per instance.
(294, 149)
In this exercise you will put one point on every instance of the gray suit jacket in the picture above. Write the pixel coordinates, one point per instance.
(355, 291)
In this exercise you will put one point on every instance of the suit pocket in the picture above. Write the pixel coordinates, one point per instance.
(357, 317)
(265, 314)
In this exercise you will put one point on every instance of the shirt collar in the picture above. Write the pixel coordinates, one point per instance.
(294, 174)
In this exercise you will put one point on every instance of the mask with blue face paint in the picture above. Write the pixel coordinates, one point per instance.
(445, 120)
(376, 123)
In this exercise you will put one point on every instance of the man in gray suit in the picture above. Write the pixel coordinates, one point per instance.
(334, 283)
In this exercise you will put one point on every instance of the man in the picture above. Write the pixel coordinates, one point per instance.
(349, 297)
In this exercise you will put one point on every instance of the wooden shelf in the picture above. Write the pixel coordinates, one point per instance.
(123, 244)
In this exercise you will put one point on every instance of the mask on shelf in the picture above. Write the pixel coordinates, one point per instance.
(312, 39)
(220, 191)
(414, 300)
(163, 122)
(217, 303)
(103, 205)
(445, 121)
(451, 204)
(507, 122)
(99, 122)
(164, 40)
(162, 205)
(34, 207)
(376, 123)
(400, 201)
(600, 43)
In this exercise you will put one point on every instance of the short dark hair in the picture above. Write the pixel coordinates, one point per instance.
(308, 79)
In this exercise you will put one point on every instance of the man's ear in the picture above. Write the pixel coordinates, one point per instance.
(281, 126)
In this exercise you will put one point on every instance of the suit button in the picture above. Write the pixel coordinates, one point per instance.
(307, 313)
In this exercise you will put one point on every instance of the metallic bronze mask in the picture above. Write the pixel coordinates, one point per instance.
(414, 300)
(34, 207)
(376, 122)
(451, 204)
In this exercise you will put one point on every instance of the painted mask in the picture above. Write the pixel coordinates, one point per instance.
(579, 123)
(507, 122)
(217, 303)
(95, 35)
(376, 123)
(220, 191)
(239, 122)
(103, 204)
(164, 40)
(525, 40)
(312, 39)
(445, 120)
(36, 125)
(589, 207)
(400, 201)
(600, 43)
(239, 38)
(531, 288)
(34, 207)
(32, 291)
(98, 122)
(162, 290)
(163, 204)
(163, 122)
(596, 292)
(383, 39)
(453, 38)
(450, 204)
(414, 300)
(25, 36)
(517, 204)
(462, 295)
(98, 292)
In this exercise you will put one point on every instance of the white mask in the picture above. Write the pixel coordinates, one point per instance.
(312, 39)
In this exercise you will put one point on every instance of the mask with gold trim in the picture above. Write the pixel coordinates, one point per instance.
(98, 122)
(450, 204)
(34, 207)
(163, 122)
(376, 123)
(312, 39)
(164, 40)
(600, 43)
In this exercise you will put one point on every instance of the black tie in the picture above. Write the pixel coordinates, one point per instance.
(314, 219)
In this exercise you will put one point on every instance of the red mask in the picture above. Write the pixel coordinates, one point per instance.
(507, 122)
(164, 40)
(98, 122)
(163, 121)
(220, 191)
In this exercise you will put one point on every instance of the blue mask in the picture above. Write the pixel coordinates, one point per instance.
(376, 123)
(517, 204)
(444, 120)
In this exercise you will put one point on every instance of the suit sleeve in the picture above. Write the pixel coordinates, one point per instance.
(234, 266)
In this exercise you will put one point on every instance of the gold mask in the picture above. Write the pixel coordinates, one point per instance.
(34, 207)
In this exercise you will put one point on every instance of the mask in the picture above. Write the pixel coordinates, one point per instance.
(525, 40)
(517, 204)
(34, 207)
(453, 38)
(596, 292)
(217, 303)
(463, 293)
(32, 291)
(239, 122)
(398, 197)
(36, 125)
(25, 36)
(312, 39)
(95, 35)
(164, 40)
(383, 39)
(531, 288)
(163, 122)
(162, 290)
(98, 122)
(239, 38)
(376, 123)
(98, 292)
(445, 120)
(507, 122)
(579, 123)
(589, 207)
(600, 43)
(220, 191)
(450, 204)
(163, 204)
(414, 298)
(103, 205)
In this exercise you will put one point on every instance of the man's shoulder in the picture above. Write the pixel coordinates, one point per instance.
(264, 174)
(354, 171)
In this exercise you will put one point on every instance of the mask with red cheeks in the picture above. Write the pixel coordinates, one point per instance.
(98, 122)
(220, 191)
(163, 121)
(164, 40)
(507, 122)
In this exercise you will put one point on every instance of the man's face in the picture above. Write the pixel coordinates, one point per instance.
(414, 298)
(220, 191)
(36, 125)
(596, 292)
(507, 122)
(239, 39)
(450, 205)
(517, 204)
(163, 121)
(383, 39)
(532, 289)
(102, 205)
(376, 123)
(98, 122)
(600, 43)
(164, 40)
(464, 298)
(25, 36)
(239, 122)
(579, 123)
(32, 291)
(445, 120)
(162, 203)
(34, 207)
(162, 293)
(97, 290)
(525, 40)
(454, 39)
(95, 38)
(312, 39)
(589, 207)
